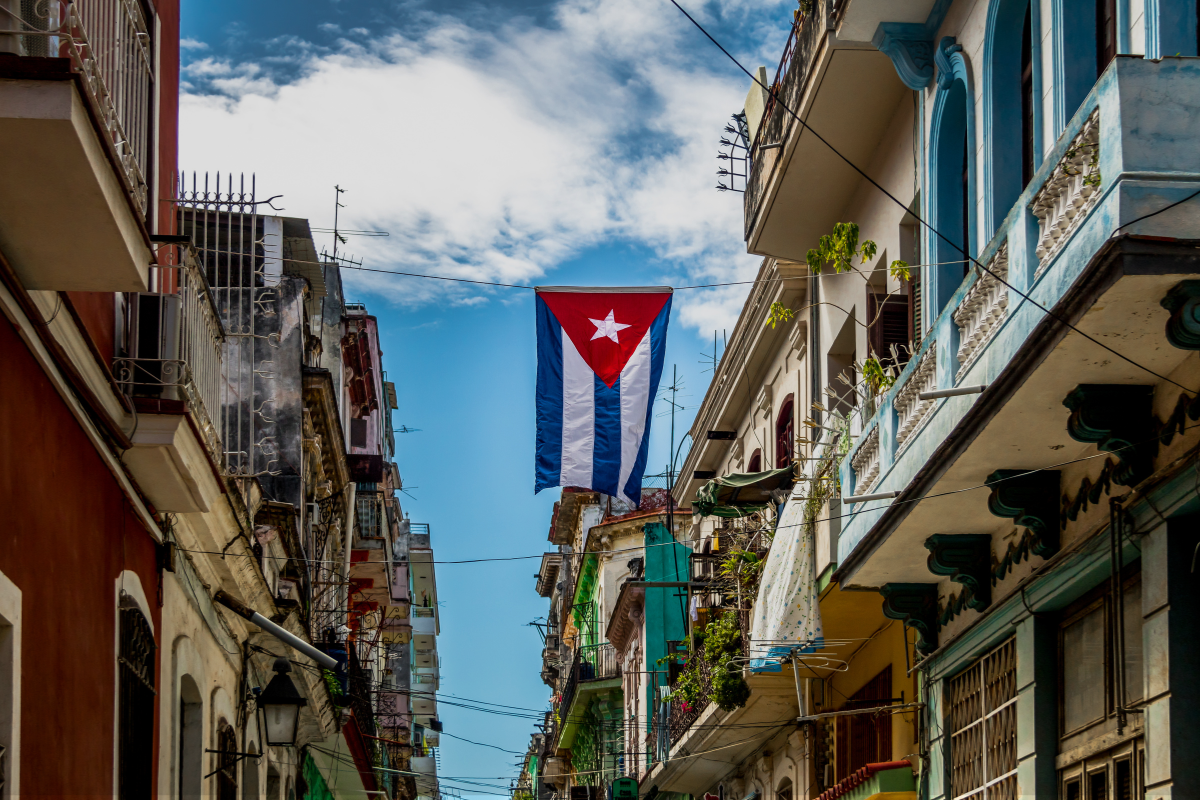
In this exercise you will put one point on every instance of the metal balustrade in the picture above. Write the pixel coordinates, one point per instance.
(110, 47)
(174, 343)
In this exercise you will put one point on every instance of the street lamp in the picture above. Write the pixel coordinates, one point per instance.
(280, 704)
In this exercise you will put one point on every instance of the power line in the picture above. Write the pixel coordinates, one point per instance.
(775, 95)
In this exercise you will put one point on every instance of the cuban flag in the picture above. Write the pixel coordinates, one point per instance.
(600, 356)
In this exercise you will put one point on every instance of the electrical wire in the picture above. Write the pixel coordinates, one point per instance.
(775, 96)
(640, 548)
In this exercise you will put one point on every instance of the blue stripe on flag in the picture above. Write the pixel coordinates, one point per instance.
(606, 456)
(658, 354)
(548, 459)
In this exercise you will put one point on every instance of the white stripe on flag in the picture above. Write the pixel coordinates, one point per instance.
(635, 399)
(579, 416)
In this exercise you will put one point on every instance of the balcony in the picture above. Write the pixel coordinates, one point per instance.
(785, 211)
(173, 373)
(424, 620)
(1129, 151)
(595, 668)
(76, 84)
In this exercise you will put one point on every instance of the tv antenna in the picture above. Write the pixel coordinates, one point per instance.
(340, 234)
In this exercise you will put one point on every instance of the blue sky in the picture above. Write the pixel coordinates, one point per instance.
(569, 142)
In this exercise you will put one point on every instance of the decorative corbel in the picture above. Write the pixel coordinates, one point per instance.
(909, 47)
(915, 604)
(1119, 419)
(1029, 499)
(966, 558)
(941, 57)
(1183, 328)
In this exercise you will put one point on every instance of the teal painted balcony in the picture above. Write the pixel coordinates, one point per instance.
(1077, 265)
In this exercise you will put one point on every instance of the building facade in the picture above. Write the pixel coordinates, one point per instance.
(197, 422)
(943, 483)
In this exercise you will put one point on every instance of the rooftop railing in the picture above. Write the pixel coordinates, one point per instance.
(109, 45)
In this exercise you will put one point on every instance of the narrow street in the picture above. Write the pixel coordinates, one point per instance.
(395, 407)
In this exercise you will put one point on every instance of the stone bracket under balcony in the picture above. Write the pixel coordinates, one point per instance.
(1119, 419)
(965, 558)
(916, 605)
(1183, 328)
(910, 48)
(171, 465)
(1030, 500)
(66, 220)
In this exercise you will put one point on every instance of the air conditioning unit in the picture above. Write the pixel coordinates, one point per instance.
(155, 345)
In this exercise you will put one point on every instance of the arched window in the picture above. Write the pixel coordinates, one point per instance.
(227, 760)
(191, 741)
(135, 666)
(785, 434)
(1010, 108)
(951, 166)
(784, 790)
(250, 776)
(755, 464)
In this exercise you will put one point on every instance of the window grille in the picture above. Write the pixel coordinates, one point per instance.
(135, 663)
(983, 727)
(227, 760)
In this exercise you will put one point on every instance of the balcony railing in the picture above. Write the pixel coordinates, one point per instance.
(109, 45)
(592, 663)
(370, 514)
(790, 78)
(175, 343)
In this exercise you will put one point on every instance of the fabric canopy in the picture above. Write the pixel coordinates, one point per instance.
(786, 614)
(741, 493)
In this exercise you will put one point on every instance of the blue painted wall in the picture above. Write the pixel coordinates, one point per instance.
(665, 561)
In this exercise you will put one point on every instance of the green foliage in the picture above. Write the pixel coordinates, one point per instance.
(877, 378)
(839, 249)
(722, 648)
(1092, 177)
(779, 314)
(899, 270)
(335, 688)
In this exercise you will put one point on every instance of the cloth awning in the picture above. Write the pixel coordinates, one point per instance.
(741, 493)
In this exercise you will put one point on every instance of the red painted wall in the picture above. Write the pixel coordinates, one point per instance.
(68, 533)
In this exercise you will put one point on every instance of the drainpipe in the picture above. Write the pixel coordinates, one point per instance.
(284, 635)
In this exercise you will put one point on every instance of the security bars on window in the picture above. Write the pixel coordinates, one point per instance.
(983, 727)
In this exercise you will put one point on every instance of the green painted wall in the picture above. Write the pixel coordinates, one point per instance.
(665, 608)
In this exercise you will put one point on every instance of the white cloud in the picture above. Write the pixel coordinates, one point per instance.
(192, 44)
(496, 154)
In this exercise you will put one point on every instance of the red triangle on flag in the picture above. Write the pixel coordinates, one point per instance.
(606, 325)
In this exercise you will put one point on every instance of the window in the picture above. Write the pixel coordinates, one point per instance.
(1087, 679)
(1028, 139)
(785, 434)
(135, 743)
(888, 320)
(951, 181)
(1095, 762)
(227, 760)
(1106, 33)
(865, 739)
(784, 792)
(755, 464)
(983, 727)
(190, 755)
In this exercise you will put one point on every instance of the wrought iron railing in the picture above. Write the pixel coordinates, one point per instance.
(791, 76)
(109, 45)
(370, 511)
(175, 343)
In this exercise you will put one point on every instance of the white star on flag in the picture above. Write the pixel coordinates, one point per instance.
(607, 327)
